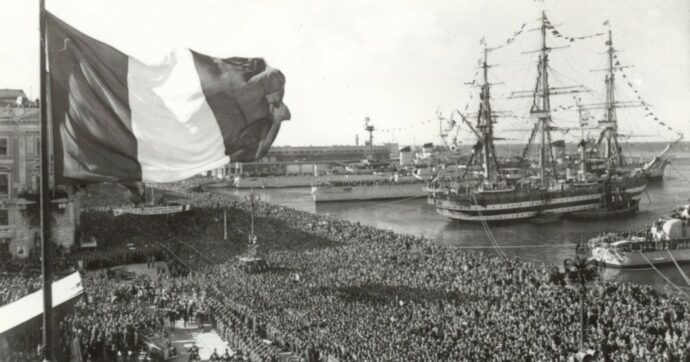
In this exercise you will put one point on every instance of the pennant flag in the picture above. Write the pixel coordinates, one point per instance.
(117, 119)
(606, 22)
(482, 40)
(662, 123)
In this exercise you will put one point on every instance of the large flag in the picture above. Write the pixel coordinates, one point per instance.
(117, 119)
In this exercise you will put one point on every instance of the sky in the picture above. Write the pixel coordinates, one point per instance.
(396, 62)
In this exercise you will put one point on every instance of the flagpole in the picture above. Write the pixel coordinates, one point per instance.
(46, 257)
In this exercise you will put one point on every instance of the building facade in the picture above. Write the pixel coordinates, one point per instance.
(20, 147)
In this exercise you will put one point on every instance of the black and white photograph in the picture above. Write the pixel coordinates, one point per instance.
(345, 181)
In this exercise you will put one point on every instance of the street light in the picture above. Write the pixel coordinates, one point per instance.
(580, 271)
(252, 198)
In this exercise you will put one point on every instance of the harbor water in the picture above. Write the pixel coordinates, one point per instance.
(551, 243)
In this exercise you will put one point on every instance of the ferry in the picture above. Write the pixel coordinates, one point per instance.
(664, 242)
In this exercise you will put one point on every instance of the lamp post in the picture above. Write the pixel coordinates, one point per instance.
(252, 198)
(579, 271)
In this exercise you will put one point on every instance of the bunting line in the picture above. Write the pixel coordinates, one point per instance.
(571, 39)
(647, 107)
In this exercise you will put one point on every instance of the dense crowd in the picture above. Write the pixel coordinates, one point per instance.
(354, 292)
(361, 293)
(13, 287)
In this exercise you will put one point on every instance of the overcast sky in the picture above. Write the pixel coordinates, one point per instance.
(397, 62)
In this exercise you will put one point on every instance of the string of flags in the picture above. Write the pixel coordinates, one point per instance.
(516, 34)
(512, 38)
(562, 108)
(571, 39)
(386, 130)
(647, 107)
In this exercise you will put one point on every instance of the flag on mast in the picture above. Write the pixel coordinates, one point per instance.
(116, 119)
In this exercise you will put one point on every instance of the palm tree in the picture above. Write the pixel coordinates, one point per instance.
(579, 271)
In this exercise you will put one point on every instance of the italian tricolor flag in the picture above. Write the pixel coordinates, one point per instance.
(117, 119)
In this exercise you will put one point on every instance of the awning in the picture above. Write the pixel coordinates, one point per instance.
(31, 306)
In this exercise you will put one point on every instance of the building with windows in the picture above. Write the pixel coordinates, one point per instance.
(20, 187)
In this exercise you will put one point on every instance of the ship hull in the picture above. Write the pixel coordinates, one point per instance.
(330, 193)
(529, 205)
(623, 260)
(298, 181)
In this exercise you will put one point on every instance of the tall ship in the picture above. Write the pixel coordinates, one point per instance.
(489, 196)
(666, 241)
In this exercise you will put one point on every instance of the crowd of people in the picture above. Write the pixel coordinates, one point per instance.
(352, 292)
(13, 287)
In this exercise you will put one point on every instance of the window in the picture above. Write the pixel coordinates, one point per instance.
(4, 217)
(4, 146)
(33, 144)
(4, 184)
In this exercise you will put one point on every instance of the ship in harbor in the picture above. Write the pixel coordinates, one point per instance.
(666, 241)
(488, 196)
(288, 181)
(654, 169)
(392, 188)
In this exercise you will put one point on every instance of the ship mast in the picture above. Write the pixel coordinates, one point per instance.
(541, 105)
(484, 126)
(485, 123)
(612, 150)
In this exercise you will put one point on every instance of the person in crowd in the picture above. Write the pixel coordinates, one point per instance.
(363, 294)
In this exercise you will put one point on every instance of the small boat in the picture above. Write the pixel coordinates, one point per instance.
(604, 213)
(666, 241)
(614, 205)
